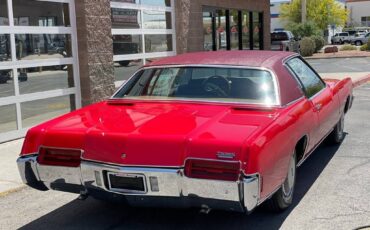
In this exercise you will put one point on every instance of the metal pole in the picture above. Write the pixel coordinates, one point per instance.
(304, 11)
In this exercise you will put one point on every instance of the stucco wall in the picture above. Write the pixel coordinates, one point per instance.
(95, 50)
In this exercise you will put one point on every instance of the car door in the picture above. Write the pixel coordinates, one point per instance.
(320, 97)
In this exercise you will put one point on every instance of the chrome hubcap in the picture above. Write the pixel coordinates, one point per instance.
(289, 181)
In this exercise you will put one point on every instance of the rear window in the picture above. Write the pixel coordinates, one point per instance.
(252, 86)
(279, 36)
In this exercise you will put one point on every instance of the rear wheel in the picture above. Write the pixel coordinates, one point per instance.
(283, 198)
(337, 135)
(358, 43)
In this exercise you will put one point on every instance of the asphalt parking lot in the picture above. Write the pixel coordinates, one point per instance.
(332, 192)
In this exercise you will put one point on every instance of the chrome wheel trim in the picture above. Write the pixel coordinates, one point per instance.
(288, 184)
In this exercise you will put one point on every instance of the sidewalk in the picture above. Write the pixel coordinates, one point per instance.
(9, 177)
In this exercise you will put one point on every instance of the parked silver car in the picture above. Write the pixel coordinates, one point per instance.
(360, 40)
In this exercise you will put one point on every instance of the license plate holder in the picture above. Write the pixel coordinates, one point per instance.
(127, 183)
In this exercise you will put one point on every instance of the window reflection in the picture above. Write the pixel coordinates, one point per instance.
(157, 20)
(41, 46)
(40, 13)
(46, 78)
(127, 44)
(126, 18)
(158, 43)
(4, 20)
(6, 83)
(36, 112)
(123, 70)
(8, 118)
(5, 50)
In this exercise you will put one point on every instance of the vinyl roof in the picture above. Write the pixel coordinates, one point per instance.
(256, 58)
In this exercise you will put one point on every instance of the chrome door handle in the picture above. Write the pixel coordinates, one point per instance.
(318, 107)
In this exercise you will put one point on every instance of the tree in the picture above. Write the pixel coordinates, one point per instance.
(320, 12)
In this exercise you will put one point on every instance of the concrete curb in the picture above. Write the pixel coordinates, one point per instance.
(361, 81)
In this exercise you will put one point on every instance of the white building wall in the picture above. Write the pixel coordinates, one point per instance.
(276, 23)
(357, 11)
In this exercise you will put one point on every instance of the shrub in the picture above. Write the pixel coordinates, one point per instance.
(319, 42)
(364, 48)
(307, 47)
(348, 48)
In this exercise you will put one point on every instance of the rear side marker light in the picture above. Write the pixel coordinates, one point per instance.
(59, 157)
(210, 169)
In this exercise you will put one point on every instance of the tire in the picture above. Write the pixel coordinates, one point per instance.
(337, 135)
(283, 198)
(358, 43)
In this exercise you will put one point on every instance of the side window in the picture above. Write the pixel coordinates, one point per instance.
(311, 82)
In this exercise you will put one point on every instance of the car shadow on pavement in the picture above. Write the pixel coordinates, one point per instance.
(94, 214)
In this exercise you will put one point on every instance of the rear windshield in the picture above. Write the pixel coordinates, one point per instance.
(202, 83)
(279, 36)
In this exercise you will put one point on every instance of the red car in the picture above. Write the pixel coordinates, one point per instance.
(216, 130)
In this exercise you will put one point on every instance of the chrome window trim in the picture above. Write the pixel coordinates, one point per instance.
(273, 75)
(286, 65)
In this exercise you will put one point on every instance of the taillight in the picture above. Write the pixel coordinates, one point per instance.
(281, 47)
(59, 157)
(210, 169)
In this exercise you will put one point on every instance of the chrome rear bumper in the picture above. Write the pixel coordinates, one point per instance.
(161, 184)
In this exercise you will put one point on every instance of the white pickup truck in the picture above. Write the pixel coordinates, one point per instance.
(341, 38)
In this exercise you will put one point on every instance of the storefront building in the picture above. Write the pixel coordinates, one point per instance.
(59, 55)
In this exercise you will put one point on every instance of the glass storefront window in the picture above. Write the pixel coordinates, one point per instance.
(36, 112)
(234, 29)
(41, 46)
(40, 13)
(166, 3)
(4, 19)
(126, 19)
(158, 43)
(127, 44)
(256, 31)
(123, 70)
(5, 49)
(8, 118)
(245, 30)
(207, 31)
(221, 34)
(157, 20)
(6, 83)
(38, 79)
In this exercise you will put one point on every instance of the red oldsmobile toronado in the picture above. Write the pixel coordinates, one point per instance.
(215, 130)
